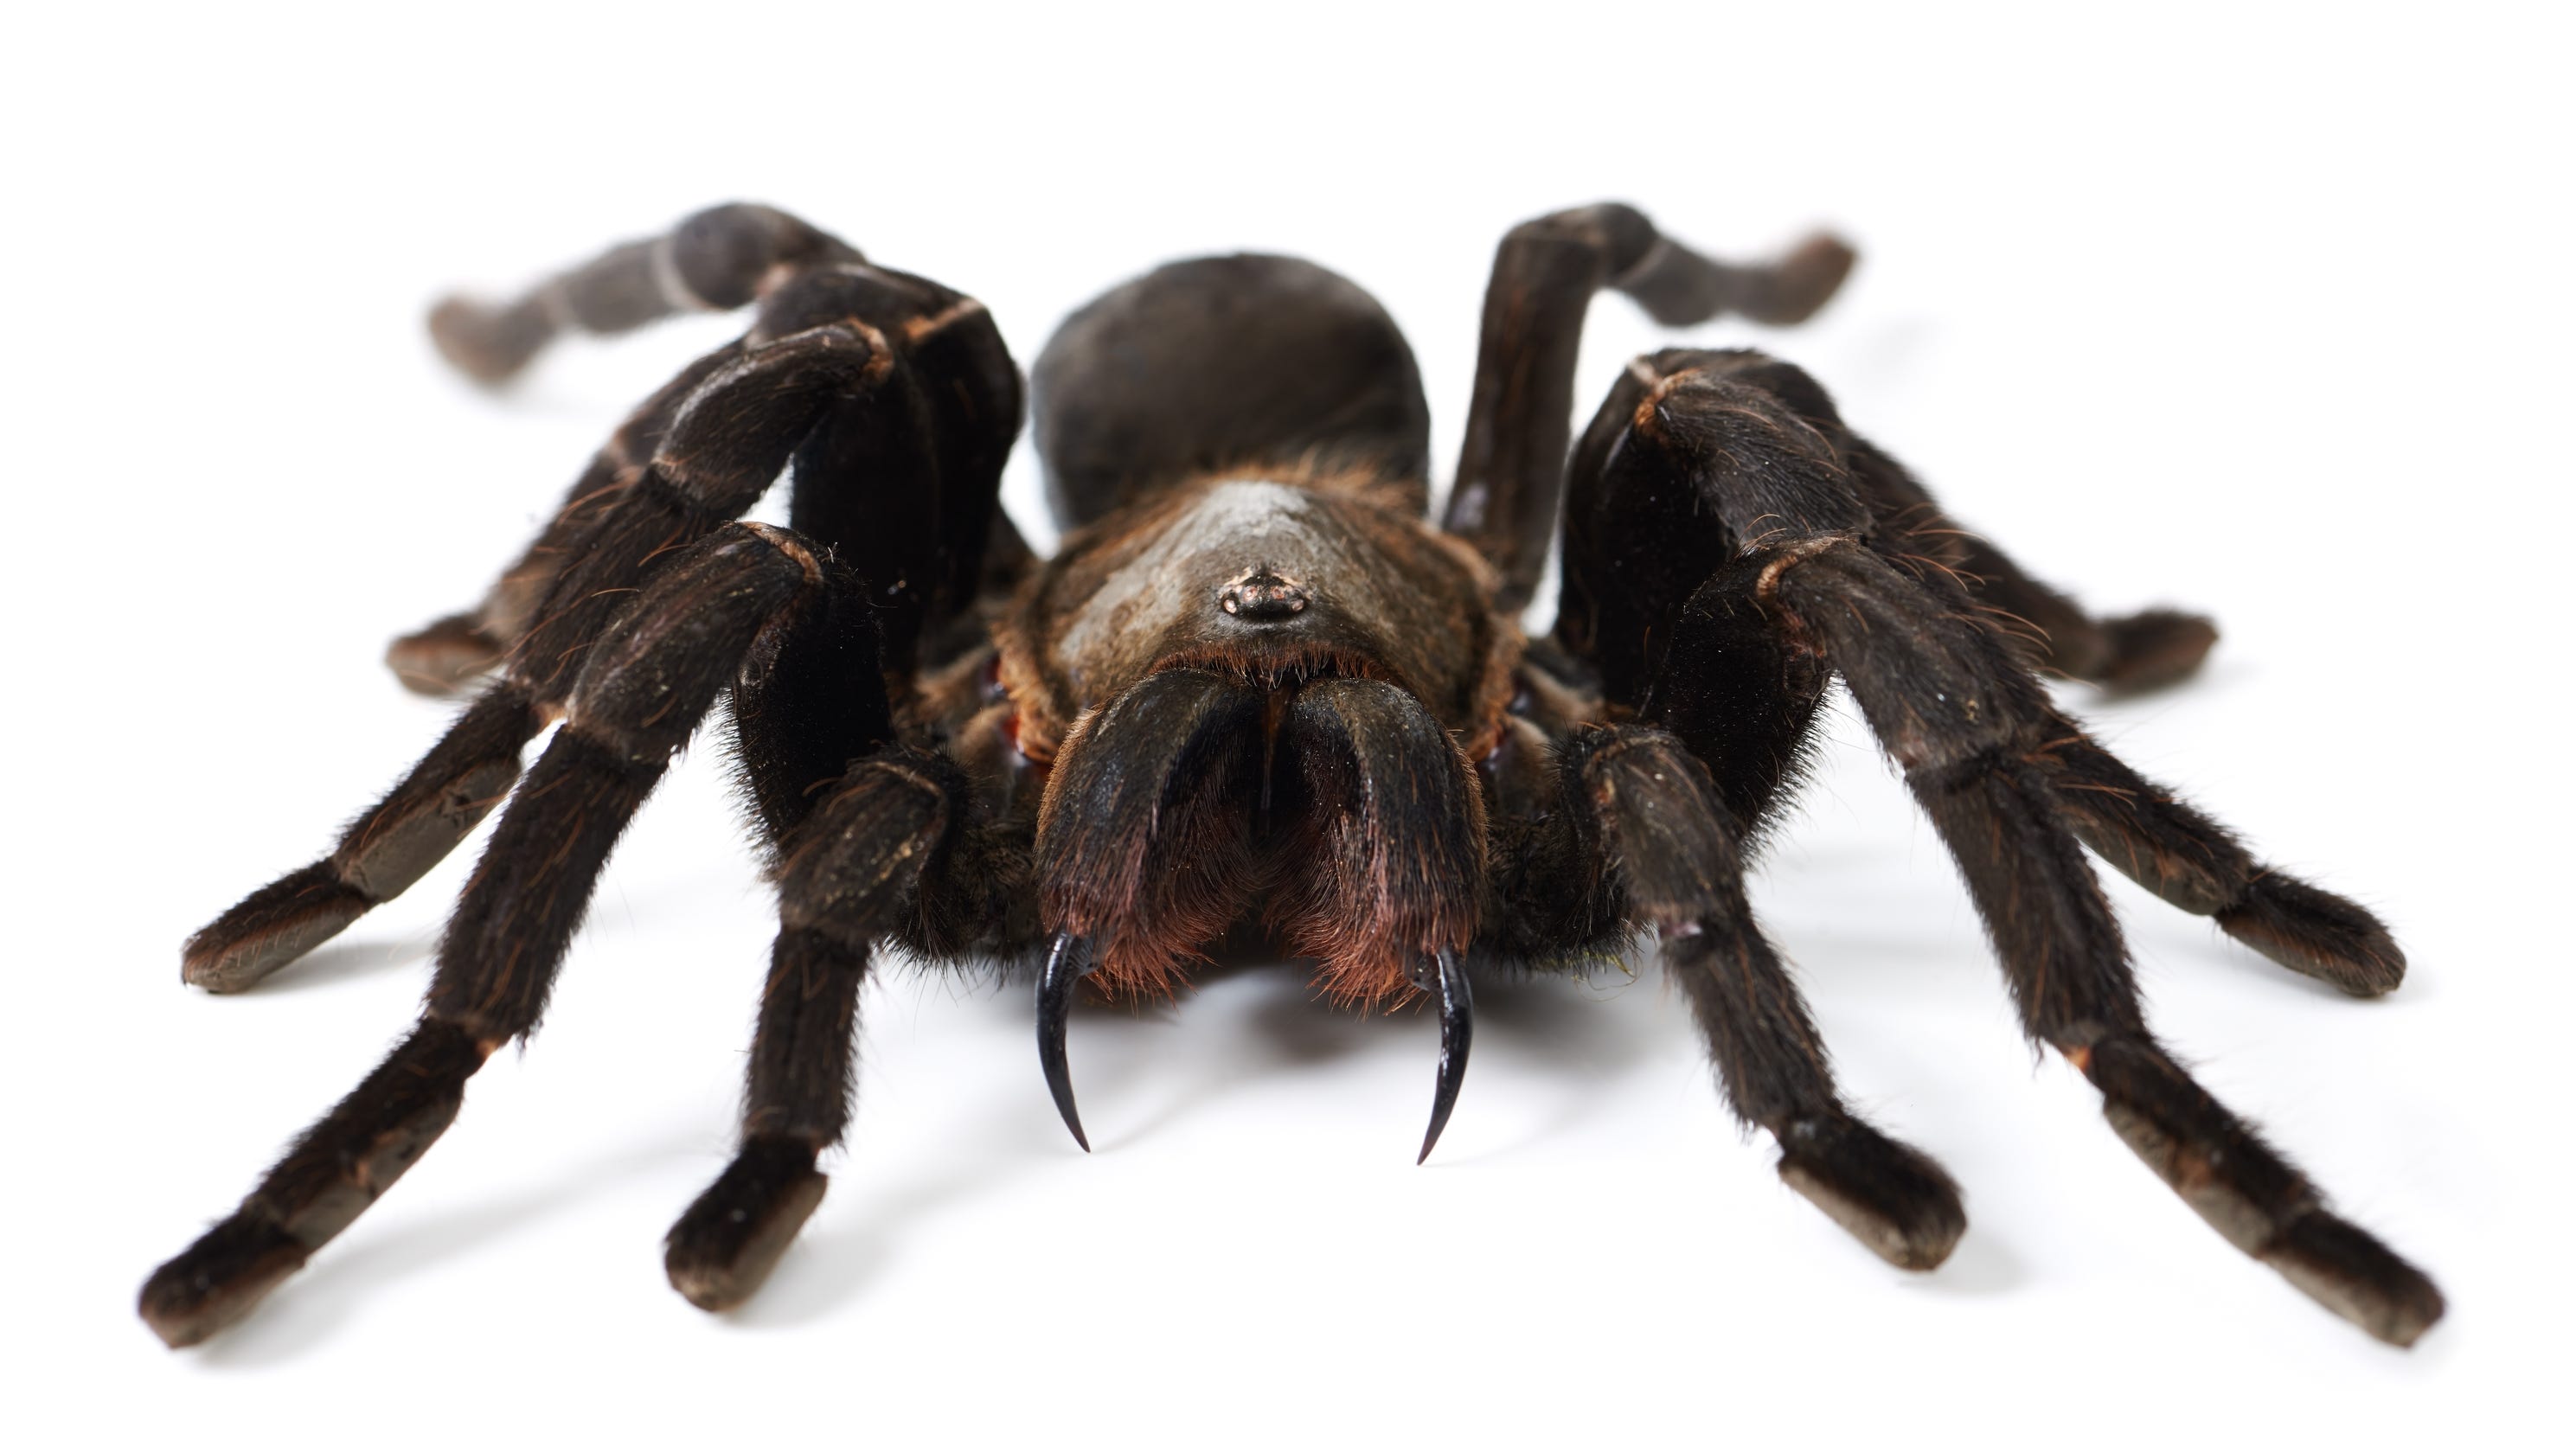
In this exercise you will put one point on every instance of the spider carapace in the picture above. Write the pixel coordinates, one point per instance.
(1257, 683)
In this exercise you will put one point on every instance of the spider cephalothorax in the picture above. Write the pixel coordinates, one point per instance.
(1257, 684)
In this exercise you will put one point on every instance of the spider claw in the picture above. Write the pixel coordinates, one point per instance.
(1457, 1031)
(1068, 959)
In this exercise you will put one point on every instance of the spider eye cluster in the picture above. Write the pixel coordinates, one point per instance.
(1262, 594)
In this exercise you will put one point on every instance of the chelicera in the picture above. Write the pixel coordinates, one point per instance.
(1257, 684)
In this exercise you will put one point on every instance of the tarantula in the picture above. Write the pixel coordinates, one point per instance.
(1257, 685)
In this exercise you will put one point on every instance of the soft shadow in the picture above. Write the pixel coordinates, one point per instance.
(2217, 672)
(312, 1304)
(344, 959)
(1980, 1266)
(1581, 1031)
(831, 1264)
(1578, 1031)
(2236, 958)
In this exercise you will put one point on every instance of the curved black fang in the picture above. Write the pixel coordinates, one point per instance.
(1457, 1030)
(1068, 959)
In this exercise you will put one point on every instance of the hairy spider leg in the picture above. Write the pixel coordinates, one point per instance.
(2143, 651)
(1680, 863)
(2178, 853)
(880, 834)
(646, 617)
(1963, 721)
(718, 260)
(1720, 655)
(722, 448)
(452, 653)
(715, 260)
(1721, 466)
(724, 258)
(638, 698)
(853, 373)
(1511, 467)
(870, 840)
(2140, 652)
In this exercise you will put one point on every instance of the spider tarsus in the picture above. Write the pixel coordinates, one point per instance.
(2177, 853)
(1791, 290)
(332, 1173)
(1675, 841)
(489, 343)
(722, 258)
(445, 656)
(219, 1279)
(2351, 1274)
(2152, 650)
(384, 852)
(2250, 1194)
(270, 929)
(725, 1245)
(1892, 1198)
(2310, 931)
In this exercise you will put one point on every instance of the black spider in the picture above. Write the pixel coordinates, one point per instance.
(1257, 684)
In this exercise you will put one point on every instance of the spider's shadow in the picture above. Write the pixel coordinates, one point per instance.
(1247, 1024)
(311, 1307)
(343, 960)
(1252, 1022)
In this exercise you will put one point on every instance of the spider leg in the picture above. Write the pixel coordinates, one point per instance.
(1721, 642)
(715, 260)
(2126, 653)
(707, 610)
(450, 654)
(957, 392)
(723, 447)
(2178, 853)
(718, 259)
(881, 848)
(946, 421)
(1511, 469)
(2140, 652)
(1693, 462)
(1678, 851)
(1612, 827)
(883, 833)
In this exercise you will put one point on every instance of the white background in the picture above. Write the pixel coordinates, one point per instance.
(2267, 314)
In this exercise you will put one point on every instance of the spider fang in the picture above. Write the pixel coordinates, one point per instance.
(1457, 1031)
(1068, 959)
